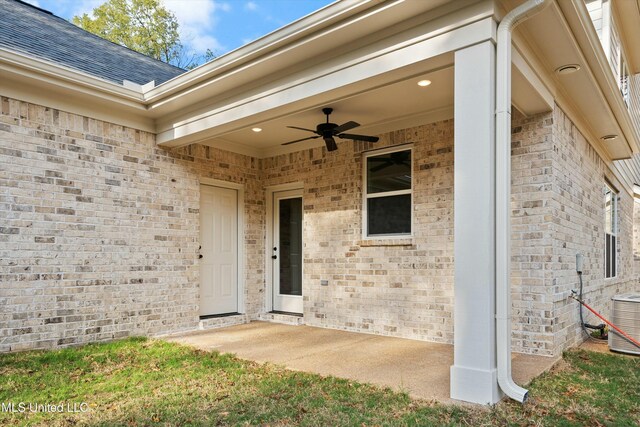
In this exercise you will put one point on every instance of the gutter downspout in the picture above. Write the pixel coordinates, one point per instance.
(503, 195)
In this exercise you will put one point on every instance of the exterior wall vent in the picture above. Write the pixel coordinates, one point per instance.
(626, 316)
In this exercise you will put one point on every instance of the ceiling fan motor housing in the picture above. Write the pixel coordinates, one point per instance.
(326, 128)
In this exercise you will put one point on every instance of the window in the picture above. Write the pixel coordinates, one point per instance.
(610, 232)
(388, 193)
(624, 81)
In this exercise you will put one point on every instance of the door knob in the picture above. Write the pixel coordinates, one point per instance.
(274, 256)
(200, 256)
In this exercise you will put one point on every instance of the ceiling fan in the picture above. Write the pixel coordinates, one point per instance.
(328, 131)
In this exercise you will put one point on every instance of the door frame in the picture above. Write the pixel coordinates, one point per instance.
(269, 238)
(241, 243)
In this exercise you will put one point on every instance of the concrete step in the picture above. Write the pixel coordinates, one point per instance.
(223, 321)
(287, 319)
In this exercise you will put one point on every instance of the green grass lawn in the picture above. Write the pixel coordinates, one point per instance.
(149, 382)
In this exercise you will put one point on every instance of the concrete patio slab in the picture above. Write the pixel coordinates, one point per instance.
(419, 368)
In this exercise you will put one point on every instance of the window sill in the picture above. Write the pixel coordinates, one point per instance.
(405, 241)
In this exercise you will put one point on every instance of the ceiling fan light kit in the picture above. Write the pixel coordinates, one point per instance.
(328, 131)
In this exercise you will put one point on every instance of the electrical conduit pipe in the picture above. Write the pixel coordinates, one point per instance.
(503, 195)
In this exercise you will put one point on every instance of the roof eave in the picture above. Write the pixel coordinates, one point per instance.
(275, 40)
(35, 68)
(604, 75)
(45, 83)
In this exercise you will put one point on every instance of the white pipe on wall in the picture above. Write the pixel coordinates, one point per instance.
(503, 195)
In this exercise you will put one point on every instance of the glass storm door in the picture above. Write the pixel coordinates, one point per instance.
(287, 251)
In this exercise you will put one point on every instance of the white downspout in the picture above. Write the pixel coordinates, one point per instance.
(503, 195)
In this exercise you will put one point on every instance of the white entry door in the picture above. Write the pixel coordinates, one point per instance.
(287, 251)
(219, 250)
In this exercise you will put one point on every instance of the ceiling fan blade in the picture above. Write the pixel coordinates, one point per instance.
(331, 144)
(365, 138)
(296, 127)
(300, 140)
(345, 127)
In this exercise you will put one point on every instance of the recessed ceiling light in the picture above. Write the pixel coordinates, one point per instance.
(609, 137)
(567, 69)
(256, 129)
(424, 83)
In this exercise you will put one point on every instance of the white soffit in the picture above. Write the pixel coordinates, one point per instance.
(553, 41)
(396, 106)
(529, 94)
(399, 105)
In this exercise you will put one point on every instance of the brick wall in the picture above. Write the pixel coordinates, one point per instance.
(99, 232)
(532, 233)
(579, 176)
(99, 229)
(402, 287)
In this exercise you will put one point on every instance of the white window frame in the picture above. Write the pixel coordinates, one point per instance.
(366, 196)
(623, 79)
(608, 256)
(616, 55)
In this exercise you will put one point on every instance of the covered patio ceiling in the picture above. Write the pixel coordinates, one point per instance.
(394, 106)
(398, 105)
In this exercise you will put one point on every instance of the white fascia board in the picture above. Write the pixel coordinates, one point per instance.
(67, 77)
(44, 83)
(381, 19)
(324, 85)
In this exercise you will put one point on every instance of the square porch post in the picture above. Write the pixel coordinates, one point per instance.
(473, 374)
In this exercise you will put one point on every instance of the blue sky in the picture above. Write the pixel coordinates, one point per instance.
(220, 25)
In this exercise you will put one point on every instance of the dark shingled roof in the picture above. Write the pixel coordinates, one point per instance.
(39, 33)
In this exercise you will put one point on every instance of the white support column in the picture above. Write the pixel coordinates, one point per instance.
(473, 374)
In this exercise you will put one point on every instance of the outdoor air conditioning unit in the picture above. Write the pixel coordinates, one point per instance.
(626, 316)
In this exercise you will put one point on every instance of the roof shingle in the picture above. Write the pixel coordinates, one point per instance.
(36, 32)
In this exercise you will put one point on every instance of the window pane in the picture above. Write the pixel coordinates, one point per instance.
(614, 213)
(613, 256)
(290, 225)
(608, 210)
(389, 172)
(389, 215)
(607, 255)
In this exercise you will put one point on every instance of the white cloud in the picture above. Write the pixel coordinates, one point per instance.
(251, 6)
(197, 20)
(194, 12)
(85, 6)
(201, 43)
